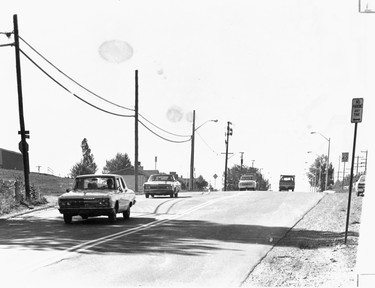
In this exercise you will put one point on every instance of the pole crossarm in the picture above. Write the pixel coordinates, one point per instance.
(5, 45)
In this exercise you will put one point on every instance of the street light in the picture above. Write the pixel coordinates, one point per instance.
(192, 149)
(329, 145)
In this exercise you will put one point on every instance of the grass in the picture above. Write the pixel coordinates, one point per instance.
(41, 185)
(47, 184)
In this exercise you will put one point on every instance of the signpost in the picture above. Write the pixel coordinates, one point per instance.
(344, 158)
(215, 176)
(357, 112)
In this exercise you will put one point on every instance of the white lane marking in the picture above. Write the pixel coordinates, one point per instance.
(92, 243)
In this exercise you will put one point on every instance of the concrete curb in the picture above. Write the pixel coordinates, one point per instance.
(23, 212)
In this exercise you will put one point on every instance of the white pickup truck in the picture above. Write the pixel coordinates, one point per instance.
(247, 182)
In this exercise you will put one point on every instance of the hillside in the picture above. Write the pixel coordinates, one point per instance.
(47, 184)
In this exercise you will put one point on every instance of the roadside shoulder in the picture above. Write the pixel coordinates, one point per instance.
(313, 253)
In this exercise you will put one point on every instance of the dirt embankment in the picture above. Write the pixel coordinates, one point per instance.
(314, 253)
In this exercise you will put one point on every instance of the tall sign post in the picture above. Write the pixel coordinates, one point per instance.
(344, 159)
(357, 112)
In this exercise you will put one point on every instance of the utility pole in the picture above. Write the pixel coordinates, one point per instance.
(24, 147)
(365, 160)
(229, 133)
(357, 165)
(242, 159)
(191, 180)
(136, 134)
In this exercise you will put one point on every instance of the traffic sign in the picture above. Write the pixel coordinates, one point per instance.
(357, 110)
(20, 146)
(345, 157)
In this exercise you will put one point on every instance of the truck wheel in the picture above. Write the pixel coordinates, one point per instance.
(68, 218)
(147, 195)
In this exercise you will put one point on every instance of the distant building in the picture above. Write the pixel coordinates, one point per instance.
(129, 177)
(10, 160)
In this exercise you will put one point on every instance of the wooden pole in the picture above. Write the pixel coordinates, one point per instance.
(191, 180)
(136, 134)
(23, 144)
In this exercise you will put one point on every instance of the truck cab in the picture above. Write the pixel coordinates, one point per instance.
(287, 182)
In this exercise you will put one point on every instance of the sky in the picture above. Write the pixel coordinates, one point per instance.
(277, 70)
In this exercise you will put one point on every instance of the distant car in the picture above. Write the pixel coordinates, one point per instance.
(162, 184)
(96, 195)
(360, 185)
(287, 182)
(247, 182)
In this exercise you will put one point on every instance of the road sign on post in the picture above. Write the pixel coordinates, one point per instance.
(357, 110)
(345, 157)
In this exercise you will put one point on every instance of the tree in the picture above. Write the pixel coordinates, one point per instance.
(87, 164)
(201, 183)
(120, 162)
(317, 173)
(235, 173)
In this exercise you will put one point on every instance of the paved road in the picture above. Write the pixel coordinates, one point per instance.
(196, 240)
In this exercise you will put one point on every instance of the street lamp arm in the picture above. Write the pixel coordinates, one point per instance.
(320, 135)
(205, 123)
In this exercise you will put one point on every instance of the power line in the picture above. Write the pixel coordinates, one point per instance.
(178, 135)
(66, 89)
(54, 66)
(96, 107)
(162, 136)
(207, 144)
(96, 95)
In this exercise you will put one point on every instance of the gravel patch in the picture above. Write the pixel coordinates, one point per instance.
(314, 253)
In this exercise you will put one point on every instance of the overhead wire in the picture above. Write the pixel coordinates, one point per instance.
(178, 135)
(96, 95)
(66, 89)
(184, 141)
(70, 78)
(217, 154)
